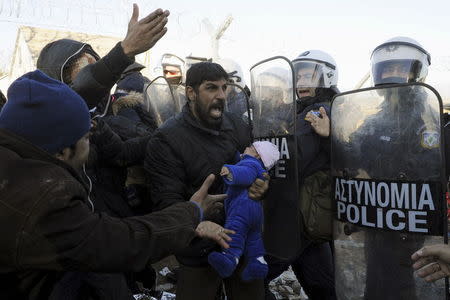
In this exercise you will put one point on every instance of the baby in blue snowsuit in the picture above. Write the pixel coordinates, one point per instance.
(244, 215)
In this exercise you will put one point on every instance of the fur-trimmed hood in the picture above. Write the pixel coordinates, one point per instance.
(128, 101)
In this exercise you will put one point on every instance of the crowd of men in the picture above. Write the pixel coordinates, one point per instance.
(93, 190)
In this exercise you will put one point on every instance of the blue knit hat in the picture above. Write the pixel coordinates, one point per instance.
(46, 112)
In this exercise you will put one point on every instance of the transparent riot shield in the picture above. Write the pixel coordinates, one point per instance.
(160, 101)
(179, 93)
(388, 185)
(274, 117)
(238, 102)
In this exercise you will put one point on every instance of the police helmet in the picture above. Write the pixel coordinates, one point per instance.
(399, 60)
(323, 72)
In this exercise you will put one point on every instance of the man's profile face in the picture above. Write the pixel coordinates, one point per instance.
(79, 155)
(208, 103)
(84, 60)
(306, 82)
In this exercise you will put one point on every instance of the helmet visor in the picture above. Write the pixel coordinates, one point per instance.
(173, 73)
(309, 77)
(396, 71)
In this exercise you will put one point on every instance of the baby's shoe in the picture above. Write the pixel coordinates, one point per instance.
(223, 263)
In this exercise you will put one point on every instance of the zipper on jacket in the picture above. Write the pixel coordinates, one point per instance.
(90, 187)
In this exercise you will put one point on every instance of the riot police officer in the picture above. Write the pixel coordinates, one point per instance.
(397, 140)
(398, 60)
(316, 84)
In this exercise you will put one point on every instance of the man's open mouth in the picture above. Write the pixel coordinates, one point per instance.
(303, 92)
(216, 111)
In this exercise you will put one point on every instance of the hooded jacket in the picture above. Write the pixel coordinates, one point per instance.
(94, 81)
(51, 229)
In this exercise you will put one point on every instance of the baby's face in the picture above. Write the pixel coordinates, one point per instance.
(251, 151)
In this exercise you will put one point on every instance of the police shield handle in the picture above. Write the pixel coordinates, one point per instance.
(432, 262)
(205, 200)
(143, 35)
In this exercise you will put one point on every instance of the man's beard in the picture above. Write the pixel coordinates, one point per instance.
(204, 114)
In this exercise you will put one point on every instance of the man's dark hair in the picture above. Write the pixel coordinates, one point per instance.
(202, 71)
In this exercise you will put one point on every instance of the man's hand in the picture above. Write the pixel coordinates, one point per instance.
(143, 35)
(202, 198)
(213, 231)
(259, 188)
(320, 125)
(432, 262)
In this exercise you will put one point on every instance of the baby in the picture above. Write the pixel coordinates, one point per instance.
(244, 215)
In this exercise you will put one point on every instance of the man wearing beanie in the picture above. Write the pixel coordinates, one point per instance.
(48, 227)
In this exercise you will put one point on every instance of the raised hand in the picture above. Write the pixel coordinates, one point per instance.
(143, 34)
(321, 125)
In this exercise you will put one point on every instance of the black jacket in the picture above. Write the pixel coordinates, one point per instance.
(50, 229)
(390, 143)
(108, 158)
(182, 153)
(94, 81)
(313, 151)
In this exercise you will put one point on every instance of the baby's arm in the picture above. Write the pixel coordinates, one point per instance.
(242, 174)
(226, 172)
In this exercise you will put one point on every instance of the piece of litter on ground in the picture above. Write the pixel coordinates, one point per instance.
(168, 296)
(143, 297)
(164, 287)
(165, 271)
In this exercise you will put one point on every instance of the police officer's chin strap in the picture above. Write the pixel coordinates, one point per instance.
(305, 102)
(322, 95)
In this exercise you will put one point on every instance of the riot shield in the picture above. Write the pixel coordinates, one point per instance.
(238, 102)
(388, 185)
(274, 117)
(159, 100)
(179, 93)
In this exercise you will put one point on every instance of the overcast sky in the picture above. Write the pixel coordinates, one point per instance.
(347, 29)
